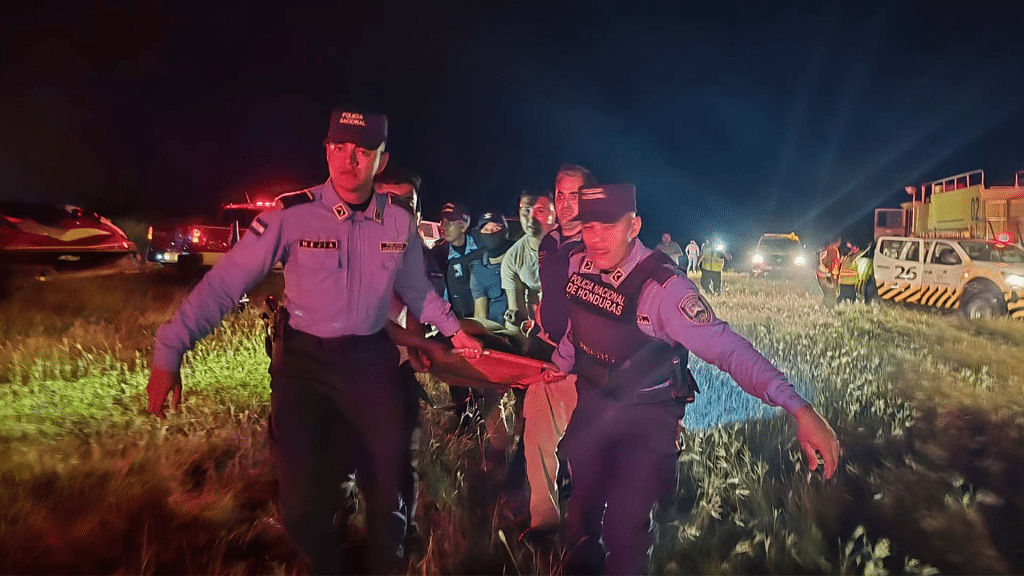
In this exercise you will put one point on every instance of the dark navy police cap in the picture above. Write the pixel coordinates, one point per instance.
(453, 212)
(607, 203)
(364, 129)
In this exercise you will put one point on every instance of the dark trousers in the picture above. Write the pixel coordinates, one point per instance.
(412, 433)
(847, 293)
(711, 281)
(622, 459)
(829, 291)
(337, 405)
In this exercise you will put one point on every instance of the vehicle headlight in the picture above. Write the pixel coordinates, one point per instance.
(800, 260)
(1015, 280)
(757, 259)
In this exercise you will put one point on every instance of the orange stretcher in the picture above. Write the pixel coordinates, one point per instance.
(492, 369)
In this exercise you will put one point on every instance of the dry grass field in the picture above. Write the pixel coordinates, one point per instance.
(929, 408)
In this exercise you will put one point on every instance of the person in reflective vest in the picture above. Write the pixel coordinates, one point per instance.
(712, 262)
(848, 273)
(828, 273)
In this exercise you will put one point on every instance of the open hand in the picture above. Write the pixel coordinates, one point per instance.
(817, 437)
(160, 383)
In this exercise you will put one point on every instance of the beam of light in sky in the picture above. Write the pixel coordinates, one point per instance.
(933, 156)
(851, 92)
(795, 118)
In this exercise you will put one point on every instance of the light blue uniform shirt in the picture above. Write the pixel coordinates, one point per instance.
(340, 269)
(676, 313)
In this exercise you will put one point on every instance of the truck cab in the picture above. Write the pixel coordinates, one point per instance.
(981, 278)
(202, 243)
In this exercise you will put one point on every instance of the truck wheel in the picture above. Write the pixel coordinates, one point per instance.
(978, 303)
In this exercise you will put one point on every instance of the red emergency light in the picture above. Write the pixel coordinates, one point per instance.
(1004, 238)
(197, 235)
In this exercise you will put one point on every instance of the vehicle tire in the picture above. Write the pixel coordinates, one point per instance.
(980, 301)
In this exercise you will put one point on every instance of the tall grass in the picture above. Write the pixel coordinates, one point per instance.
(928, 407)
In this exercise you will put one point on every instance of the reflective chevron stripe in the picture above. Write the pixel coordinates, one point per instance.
(927, 295)
(954, 300)
(906, 294)
(940, 291)
(891, 291)
(917, 295)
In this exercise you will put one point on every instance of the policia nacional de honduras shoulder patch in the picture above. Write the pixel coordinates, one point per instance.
(694, 307)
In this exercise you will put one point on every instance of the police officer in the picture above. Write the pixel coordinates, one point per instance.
(454, 255)
(633, 317)
(334, 371)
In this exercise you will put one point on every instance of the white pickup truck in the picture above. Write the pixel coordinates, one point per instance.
(980, 278)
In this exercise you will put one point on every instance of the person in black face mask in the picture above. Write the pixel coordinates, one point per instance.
(489, 300)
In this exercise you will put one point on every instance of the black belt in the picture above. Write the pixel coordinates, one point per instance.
(667, 383)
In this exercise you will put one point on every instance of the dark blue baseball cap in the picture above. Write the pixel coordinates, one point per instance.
(607, 203)
(455, 212)
(490, 216)
(364, 129)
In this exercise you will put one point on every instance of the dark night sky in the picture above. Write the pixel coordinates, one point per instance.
(734, 118)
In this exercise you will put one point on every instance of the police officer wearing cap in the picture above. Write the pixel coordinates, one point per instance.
(633, 319)
(345, 250)
(454, 256)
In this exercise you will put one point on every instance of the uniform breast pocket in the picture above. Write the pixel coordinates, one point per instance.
(390, 261)
(321, 257)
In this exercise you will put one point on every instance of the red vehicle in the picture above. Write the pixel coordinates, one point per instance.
(48, 240)
(197, 244)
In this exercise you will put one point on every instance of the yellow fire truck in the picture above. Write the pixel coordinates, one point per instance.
(956, 248)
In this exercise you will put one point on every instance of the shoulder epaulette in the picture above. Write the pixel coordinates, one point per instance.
(666, 271)
(290, 199)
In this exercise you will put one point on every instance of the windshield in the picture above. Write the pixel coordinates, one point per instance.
(774, 244)
(993, 252)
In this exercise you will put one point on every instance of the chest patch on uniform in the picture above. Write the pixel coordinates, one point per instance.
(694, 307)
(393, 246)
(602, 297)
(319, 244)
(258, 227)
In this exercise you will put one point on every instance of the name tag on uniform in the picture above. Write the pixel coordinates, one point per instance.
(319, 244)
(393, 246)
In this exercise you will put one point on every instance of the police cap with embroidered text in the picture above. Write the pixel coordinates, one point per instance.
(607, 203)
(454, 212)
(364, 129)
